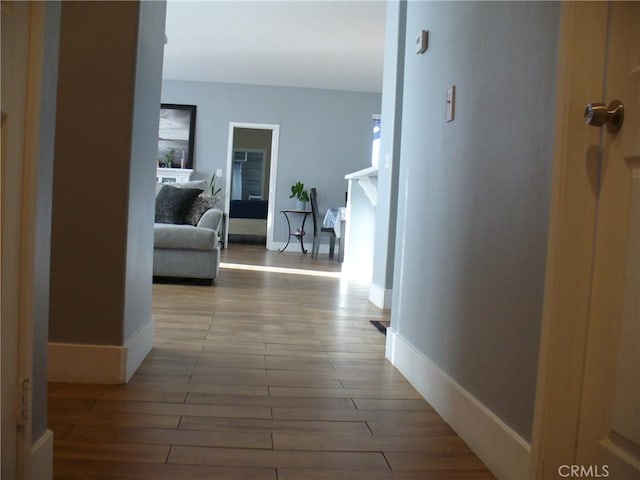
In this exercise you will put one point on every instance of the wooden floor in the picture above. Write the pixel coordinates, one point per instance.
(265, 375)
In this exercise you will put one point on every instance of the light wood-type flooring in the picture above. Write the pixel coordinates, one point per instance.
(274, 375)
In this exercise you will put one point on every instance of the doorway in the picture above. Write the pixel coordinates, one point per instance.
(252, 159)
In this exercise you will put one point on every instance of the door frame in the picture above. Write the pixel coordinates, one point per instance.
(22, 455)
(572, 223)
(273, 175)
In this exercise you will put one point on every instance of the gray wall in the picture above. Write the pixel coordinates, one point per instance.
(144, 146)
(91, 178)
(43, 220)
(474, 196)
(105, 150)
(391, 128)
(324, 134)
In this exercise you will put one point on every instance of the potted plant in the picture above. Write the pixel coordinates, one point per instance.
(300, 194)
(212, 186)
(169, 158)
(214, 191)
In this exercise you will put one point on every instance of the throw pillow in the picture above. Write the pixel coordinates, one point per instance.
(173, 203)
(201, 204)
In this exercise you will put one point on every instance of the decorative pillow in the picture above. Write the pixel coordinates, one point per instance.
(173, 203)
(201, 204)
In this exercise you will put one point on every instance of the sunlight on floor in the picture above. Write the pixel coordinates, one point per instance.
(291, 271)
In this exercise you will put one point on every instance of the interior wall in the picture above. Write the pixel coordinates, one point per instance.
(91, 178)
(324, 134)
(109, 85)
(389, 162)
(44, 192)
(142, 170)
(473, 196)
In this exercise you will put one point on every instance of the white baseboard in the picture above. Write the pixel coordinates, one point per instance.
(380, 297)
(104, 364)
(138, 347)
(274, 246)
(42, 457)
(504, 452)
(79, 363)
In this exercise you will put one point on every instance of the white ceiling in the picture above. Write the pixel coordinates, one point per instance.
(316, 44)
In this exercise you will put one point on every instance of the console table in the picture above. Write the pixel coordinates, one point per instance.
(298, 232)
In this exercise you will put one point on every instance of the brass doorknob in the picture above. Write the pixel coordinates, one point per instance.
(599, 114)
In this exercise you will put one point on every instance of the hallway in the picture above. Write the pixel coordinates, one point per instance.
(272, 375)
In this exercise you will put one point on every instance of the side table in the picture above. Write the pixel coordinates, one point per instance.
(298, 232)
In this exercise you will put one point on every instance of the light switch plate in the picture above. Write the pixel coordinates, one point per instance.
(422, 41)
(451, 103)
(219, 173)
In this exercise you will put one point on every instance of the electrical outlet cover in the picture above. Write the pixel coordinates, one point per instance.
(422, 41)
(451, 103)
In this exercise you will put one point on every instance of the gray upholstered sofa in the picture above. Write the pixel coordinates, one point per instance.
(188, 251)
(186, 232)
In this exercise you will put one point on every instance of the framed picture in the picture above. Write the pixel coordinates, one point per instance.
(176, 135)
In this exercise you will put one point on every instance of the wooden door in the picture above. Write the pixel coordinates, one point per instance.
(609, 423)
(15, 28)
(585, 423)
(22, 71)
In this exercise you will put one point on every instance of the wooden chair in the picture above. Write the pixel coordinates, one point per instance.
(318, 228)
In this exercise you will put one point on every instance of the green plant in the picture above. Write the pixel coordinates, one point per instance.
(298, 192)
(169, 157)
(212, 186)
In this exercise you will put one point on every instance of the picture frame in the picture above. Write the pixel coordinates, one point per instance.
(176, 135)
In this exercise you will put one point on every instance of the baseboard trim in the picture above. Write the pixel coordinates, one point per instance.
(42, 457)
(380, 297)
(104, 364)
(79, 363)
(504, 452)
(273, 246)
(138, 347)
